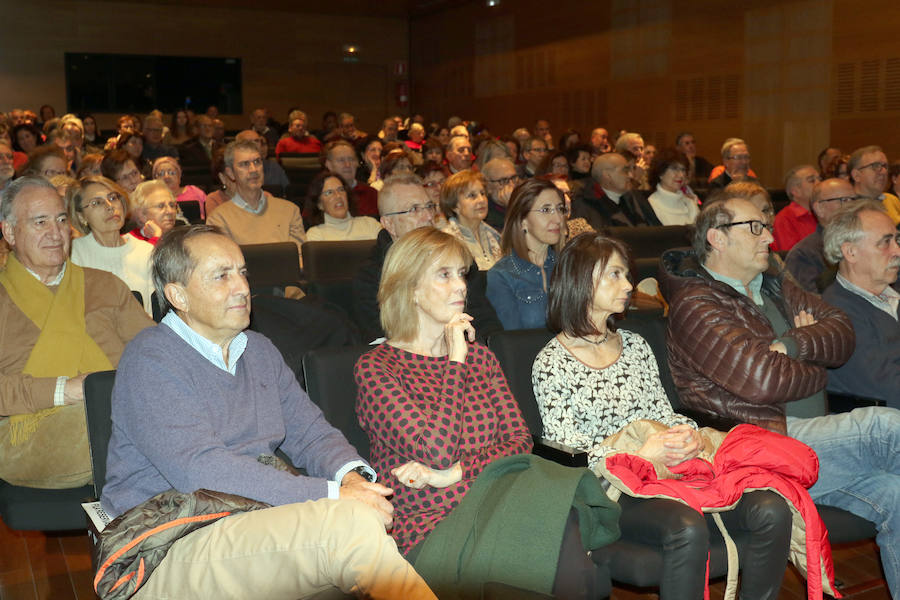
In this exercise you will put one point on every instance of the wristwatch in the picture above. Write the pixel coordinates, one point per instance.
(364, 472)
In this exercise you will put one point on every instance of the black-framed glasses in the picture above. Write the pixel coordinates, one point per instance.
(875, 166)
(504, 180)
(414, 210)
(756, 226)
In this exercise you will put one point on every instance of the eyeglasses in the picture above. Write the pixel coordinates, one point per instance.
(842, 199)
(167, 173)
(756, 226)
(111, 198)
(330, 193)
(875, 166)
(433, 184)
(549, 210)
(504, 180)
(739, 157)
(414, 210)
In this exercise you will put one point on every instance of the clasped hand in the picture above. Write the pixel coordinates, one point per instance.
(415, 475)
(355, 487)
(673, 446)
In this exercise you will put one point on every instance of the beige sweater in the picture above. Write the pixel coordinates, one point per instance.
(279, 222)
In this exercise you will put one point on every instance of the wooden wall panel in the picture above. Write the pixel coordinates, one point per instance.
(790, 76)
(289, 58)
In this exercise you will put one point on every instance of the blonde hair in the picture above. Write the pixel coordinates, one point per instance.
(75, 197)
(405, 265)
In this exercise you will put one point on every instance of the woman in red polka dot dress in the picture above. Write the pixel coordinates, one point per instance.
(435, 406)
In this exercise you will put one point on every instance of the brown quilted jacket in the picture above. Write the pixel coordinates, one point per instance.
(718, 344)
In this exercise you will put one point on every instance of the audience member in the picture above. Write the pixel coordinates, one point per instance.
(250, 216)
(168, 170)
(700, 168)
(607, 201)
(120, 166)
(298, 140)
(459, 154)
(96, 208)
(7, 170)
(154, 210)
(868, 169)
(600, 141)
(179, 129)
(747, 345)
(735, 163)
(197, 152)
(554, 165)
(796, 221)
(433, 178)
(862, 240)
(328, 207)
(806, 260)
(273, 172)
(533, 152)
(339, 157)
(92, 141)
(826, 159)
(673, 202)
(569, 138)
(500, 178)
(60, 322)
(592, 382)
(90, 165)
(259, 122)
(209, 425)
(405, 205)
(534, 233)
(26, 137)
(465, 205)
(46, 161)
(432, 460)
(153, 141)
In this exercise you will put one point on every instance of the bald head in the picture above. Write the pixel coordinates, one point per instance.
(828, 196)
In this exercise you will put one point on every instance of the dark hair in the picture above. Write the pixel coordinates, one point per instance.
(312, 213)
(566, 134)
(546, 166)
(508, 139)
(114, 161)
(171, 261)
(665, 158)
(894, 169)
(389, 162)
(433, 144)
(14, 135)
(520, 202)
(572, 152)
(572, 283)
(426, 169)
(123, 139)
(37, 157)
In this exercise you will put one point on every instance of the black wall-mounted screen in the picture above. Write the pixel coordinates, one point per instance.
(122, 83)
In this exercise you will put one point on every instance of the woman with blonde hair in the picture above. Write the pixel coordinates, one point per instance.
(97, 208)
(443, 426)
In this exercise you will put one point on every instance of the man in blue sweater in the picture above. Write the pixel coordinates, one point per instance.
(199, 403)
(862, 240)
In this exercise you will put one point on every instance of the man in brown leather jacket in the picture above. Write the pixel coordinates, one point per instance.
(746, 344)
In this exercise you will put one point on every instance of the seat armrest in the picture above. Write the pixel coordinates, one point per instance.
(559, 453)
(841, 403)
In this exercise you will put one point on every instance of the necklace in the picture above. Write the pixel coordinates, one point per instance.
(600, 341)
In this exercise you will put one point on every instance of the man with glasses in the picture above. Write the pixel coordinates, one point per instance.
(735, 164)
(153, 145)
(607, 201)
(500, 178)
(60, 322)
(806, 260)
(795, 221)
(339, 156)
(862, 240)
(533, 151)
(273, 173)
(746, 345)
(404, 206)
(868, 168)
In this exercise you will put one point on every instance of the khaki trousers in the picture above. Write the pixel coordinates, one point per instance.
(325, 548)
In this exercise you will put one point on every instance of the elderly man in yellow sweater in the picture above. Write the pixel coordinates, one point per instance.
(58, 322)
(251, 216)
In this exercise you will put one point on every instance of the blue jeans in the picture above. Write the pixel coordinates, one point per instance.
(859, 471)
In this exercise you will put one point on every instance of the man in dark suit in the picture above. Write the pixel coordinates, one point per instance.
(609, 201)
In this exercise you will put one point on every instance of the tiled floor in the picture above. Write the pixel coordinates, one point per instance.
(35, 566)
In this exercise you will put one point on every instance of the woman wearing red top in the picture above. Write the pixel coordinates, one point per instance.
(435, 406)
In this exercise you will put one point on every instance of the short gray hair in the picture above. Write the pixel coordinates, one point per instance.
(171, 261)
(731, 142)
(389, 191)
(528, 144)
(232, 147)
(857, 157)
(137, 200)
(14, 189)
(625, 139)
(713, 215)
(845, 227)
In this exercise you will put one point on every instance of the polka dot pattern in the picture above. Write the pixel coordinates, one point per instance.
(436, 412)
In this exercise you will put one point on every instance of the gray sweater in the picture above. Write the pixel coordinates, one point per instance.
(181, 422)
